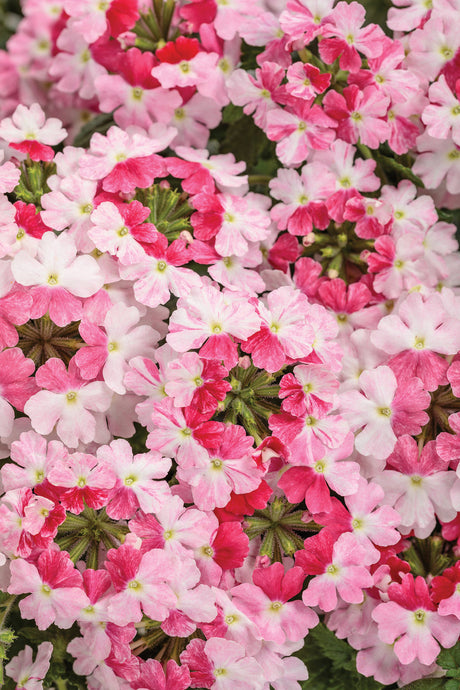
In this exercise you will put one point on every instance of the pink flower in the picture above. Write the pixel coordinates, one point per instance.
(199, 168)
(192, 381)
(299, 132)
(27, 673)
(417, 486)
(182, 63)
(303, 20)
(432, 46)
(9, 175)
(336, 567)
(413, 337)
(56, 589)
(154, 677)
(83, 480)
(68, 402)
(266, 603)
(34, 460)
(16, 386)
(257, 94)
(135, 479)
(347, 37)
(178, 433)
(228, 467)
(369, 524)
(438, 161)
(446, 591)
(125, 161)
(411, 622)
(141, 582)
(359, 114)
(384, 410)
(310, 388)
(303, 198)
(91, 18)
(120, 230)
(324, 468)
(159, 272)
(111, 349)
(306, 81)
(29, 131)
(57, 278)
(222, 665)
(442, 119)
(208, 316)
(285, 333)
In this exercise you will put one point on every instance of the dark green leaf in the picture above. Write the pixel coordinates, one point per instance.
(100, 123)
(426, 684)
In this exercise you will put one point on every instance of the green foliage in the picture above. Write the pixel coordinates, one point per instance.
(100, 123)
(10, 12)
(331, 663)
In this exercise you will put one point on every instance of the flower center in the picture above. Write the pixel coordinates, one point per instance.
(385, 411)
(81, 482)
(122, 232)
(419, 616)
(419, 343)
(184, 67)
(198, 381)
(216, 463)
(71, 397)
(52, 279)
(129, 481)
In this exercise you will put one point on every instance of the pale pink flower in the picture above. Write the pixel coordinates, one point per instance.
(266, 603)
(55, 586)
(303, 20)
(125, 161)
(223, 168)
(302, 198)
(413, 337)
(70, 206)
(110, 349)
(160, 272)
(29, 674)
(34, 460)
(257, 94)
(74, 67)
(442, 116)
(9, 175)
(299, 132)
(438, 160)
(348, 37)
(417, 486)
(29, 131)
(228, 467)
(57, 277)
(285, 333)
(384, 409)
(208, 316)
(135, 479)
(411, 622)
(68, 402)
(432, 46)
(231, 667)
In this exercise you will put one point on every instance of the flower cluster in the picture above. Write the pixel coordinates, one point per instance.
(229, 393)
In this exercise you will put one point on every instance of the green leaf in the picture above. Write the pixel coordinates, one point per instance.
(450, 660)
(426, 684)
(100, 123)
(232, 113)
(331, 663)
(245, 140)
